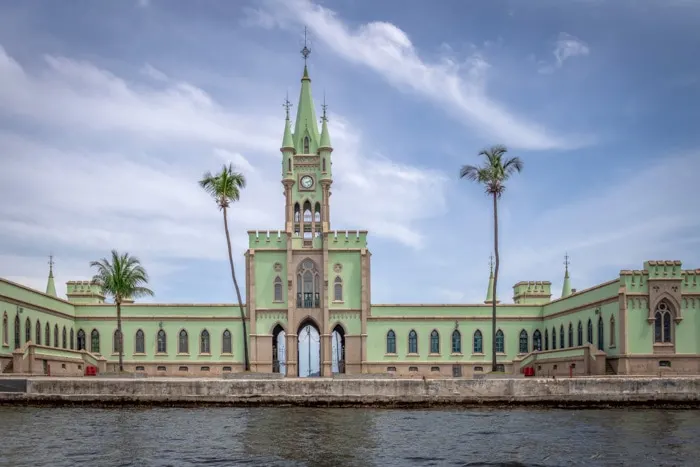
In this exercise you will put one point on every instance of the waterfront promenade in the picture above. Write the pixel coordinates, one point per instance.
(360, 392)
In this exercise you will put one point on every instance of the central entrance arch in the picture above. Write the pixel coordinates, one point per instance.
(338, 349)
(279, 350)
(308, 349)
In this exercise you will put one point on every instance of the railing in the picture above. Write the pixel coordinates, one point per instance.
(308, 300)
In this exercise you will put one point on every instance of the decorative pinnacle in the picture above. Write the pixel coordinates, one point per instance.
(566, 262)
(51, 263)
(491, 263)
(306, 51)
(324, 106)
(287, 105)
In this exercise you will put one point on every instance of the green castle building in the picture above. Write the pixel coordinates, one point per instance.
(309, 309)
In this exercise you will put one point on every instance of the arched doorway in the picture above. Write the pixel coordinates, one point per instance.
(308, 350)
(338, 349)
(279, 350)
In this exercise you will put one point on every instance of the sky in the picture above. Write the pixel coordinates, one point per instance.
(110, 112)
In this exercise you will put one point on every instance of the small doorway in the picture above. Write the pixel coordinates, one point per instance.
(279, 350)
(338, 349)
(308, 350)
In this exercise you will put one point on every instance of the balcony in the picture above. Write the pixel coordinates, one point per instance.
(308, 300)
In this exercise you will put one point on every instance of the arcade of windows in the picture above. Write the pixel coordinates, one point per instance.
(307, 219)
(456, 342)
(308, 287)
(62, 337)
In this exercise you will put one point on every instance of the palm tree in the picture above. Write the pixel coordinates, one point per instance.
(225, 187)
(496, 170)
(122, 279)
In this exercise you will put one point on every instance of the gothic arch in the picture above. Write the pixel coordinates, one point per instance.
(275, 324)
(308, 279)
(341, 325)
(672, 303)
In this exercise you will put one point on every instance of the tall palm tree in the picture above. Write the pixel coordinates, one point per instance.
(124, 278)
(497, 169)
(225, 187)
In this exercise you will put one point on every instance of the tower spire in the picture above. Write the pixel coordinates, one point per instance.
(287, 141)
(325, 142)
(489, 292)
(306, 136)
(566, 288)
(50, 285)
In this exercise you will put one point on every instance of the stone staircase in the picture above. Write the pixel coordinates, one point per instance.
(609, 370)
(8, 368)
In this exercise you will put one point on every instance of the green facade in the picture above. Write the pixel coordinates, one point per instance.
(640, 321)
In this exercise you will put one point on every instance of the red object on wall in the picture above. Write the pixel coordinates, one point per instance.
(529, 371)
(90, 370)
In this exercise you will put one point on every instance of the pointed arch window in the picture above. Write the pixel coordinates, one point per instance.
(546, 339)
(47, 334)
(289, 164)
(204, 342)
(64, 338)
(338, 289)
(323, 162)
(55, 335)
(537, 340)
(562, 343)
(27, 330)
(297, 212)
(140, 344)
(589, 334)
(523, 342)
(601, 334)
(478, 342)
(412, 342)
(580, 334)
(95, 341)
(612, 331)
(391, 342)
(571, 335)
(226, 344)
(306, 145)
(72, 339)
(308, 290)
(554, 338)
(317, 212)
(37, 332)
(434, 342)
(81, 340)
(456, 341)
(161, 342)
(5, 332)
(662, 324)
(18, 342)
(500, 342)
(183, 344)
(278, 289)
(115, 341)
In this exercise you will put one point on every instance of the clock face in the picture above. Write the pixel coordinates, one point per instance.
(307, 182)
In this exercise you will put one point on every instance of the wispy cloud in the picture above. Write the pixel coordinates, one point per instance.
(566, 47)
(386, 49)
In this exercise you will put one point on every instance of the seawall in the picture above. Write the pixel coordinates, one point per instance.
(394, 392)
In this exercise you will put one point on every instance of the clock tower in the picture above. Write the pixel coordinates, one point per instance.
(306, 169)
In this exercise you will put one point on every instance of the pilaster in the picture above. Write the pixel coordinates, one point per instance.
(326, 354)
(250, 305)
(365, 305)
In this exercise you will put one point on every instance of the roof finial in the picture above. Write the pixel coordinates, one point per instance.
(566, 262)
(287, 105)
(324, 106)
(306, 51)
(51, 263)
(491, 263)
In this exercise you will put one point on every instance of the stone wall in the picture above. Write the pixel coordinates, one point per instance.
(361, 392)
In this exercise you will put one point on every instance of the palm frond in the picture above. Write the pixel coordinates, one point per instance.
(225, 187)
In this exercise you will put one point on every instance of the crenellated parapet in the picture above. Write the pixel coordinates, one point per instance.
(347, 239)
(663, 269)
(691, 281)
(275, 239)
(84, 292)
(634, 280)
(532, 292)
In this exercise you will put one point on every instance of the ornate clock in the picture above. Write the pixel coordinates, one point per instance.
(307, 182)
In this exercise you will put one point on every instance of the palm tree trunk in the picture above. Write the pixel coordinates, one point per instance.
(121, 337)
(495, 282)
(238, 294)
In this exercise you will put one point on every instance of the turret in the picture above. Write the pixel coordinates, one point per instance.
(489, 291)
(325, 148)
(84, 292)
(50, 285)
(287, 147)
(566, 288)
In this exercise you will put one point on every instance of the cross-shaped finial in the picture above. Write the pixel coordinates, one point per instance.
(491, 262)
(566, 261)
(324, 107)
(287, 105)
(306, 51)
(51, 263)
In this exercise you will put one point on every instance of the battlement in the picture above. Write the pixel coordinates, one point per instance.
(84, 292)
(532, 292)
(347, 239)
(267, 239)
(663, 269)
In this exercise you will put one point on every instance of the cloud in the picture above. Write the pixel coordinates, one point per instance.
(386, 49)
(566, 46)
(126, 177)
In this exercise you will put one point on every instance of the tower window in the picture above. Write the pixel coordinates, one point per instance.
(278, 289)
(306, 145)
(338, 289)
(323, 161)
(289, 164)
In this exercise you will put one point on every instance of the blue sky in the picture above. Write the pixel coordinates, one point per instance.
(110, 111)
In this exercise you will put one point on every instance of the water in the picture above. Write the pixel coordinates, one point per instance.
(346, 437)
